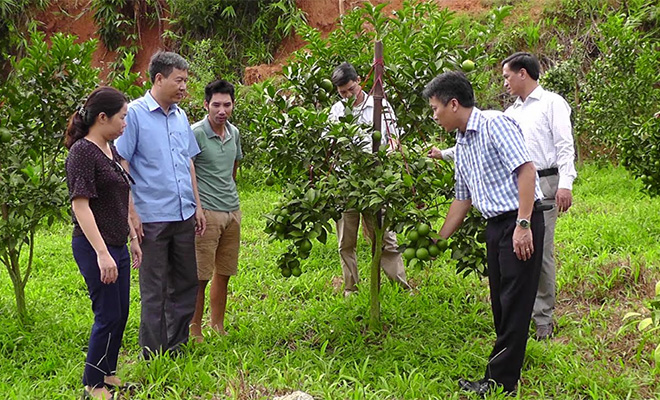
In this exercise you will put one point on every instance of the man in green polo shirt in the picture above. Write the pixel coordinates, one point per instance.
(215, 165)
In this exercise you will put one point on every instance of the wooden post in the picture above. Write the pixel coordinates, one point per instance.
(377, 245)
(378, 90)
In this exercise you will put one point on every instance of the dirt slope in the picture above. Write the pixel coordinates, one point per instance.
(76, 17)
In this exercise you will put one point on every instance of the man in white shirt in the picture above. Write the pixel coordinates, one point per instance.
(545, 119)
(347, 82)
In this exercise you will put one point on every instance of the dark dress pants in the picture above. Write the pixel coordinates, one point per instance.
(110, 303)
(168, 285)
(513, 286)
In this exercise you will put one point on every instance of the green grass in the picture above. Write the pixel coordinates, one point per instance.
(302, 334)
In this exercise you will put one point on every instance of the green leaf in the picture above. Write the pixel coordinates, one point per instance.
(645, 323)
(630, 315)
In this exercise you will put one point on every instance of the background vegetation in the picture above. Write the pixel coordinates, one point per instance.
(603, 56)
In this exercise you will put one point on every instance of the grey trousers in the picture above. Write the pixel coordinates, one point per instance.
(545, 296)
(168, 285)
(347, 234)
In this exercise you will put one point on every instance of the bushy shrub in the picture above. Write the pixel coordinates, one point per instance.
(40, 94)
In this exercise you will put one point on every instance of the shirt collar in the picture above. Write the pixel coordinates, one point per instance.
(153, 104)
(473, 121)
(535, 94)
(210, 133)
(368, 101)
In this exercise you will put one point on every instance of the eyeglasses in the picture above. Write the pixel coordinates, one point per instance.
(127, 177)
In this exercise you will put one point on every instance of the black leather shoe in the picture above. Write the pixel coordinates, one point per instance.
(480, 387)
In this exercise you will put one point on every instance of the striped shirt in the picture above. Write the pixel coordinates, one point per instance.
(487, 156)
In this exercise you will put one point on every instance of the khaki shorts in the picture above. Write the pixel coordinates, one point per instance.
(217, 249)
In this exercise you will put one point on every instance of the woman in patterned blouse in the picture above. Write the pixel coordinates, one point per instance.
(99, 193)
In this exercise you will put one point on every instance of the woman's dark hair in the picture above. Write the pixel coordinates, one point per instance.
(104, 99)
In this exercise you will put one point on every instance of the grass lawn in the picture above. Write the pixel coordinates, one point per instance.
(302, 334)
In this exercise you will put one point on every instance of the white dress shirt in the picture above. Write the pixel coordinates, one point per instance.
(365, 114)
(545, 119)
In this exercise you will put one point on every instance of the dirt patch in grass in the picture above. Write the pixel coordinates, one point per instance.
(620, 279)
(601, 300)
(241, 390)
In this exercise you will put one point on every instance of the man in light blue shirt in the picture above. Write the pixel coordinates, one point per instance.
(495, 173)
(157, 147)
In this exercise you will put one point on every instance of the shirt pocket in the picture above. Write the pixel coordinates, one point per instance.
(179, 141)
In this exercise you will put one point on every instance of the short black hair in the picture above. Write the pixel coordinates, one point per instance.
(218, 86)
(164, 62)
(450, 85)
(520, 60)
(343, 74)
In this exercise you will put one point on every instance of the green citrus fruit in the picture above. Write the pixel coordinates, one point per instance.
(5, 136)
(423, 242)
(423, 229)
(296, 271)
(293, 263)
(467, 65)
(322, 95)
(442, 244)
(422, 253)
(434, 251)
(286, 272)
(377, 136)
(413, 236)
(327, 84)
(409, 253)
(305, 246)
(270, 181)
(263, 144)
(280, 228)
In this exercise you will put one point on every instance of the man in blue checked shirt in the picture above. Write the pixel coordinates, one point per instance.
(494, 172)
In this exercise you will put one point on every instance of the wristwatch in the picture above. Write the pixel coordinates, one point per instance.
(523, 223)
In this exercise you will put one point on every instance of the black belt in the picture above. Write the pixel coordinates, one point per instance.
(547, 172)
(538, 207)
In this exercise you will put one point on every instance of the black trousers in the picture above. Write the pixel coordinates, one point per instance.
(168, 285)
(110, 303)
(513, 286)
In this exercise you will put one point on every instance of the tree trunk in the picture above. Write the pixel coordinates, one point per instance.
(21, 307)
(19, 280)
(374, 289)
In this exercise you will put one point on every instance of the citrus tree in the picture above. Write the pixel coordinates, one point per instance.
(36, 101)
(322, 167)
